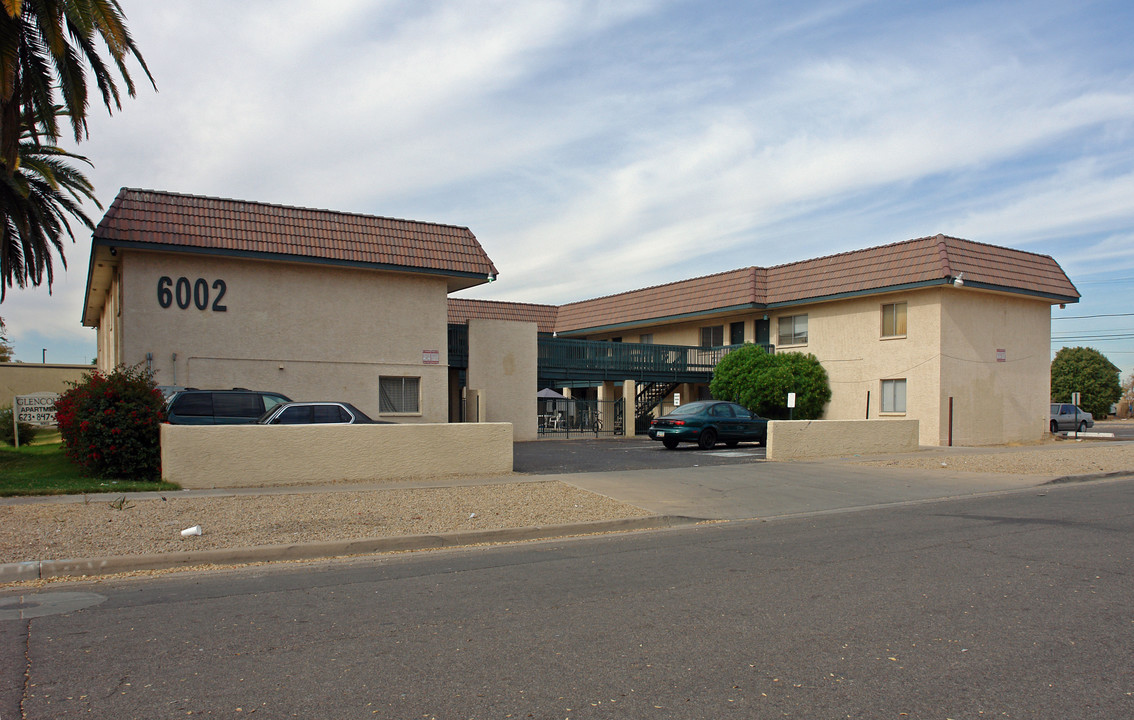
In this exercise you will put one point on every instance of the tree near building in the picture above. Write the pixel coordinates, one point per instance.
(761, 382)
(1087, 372)
(35, 202)
(46, 49)
(6, 350)
(1126, 404)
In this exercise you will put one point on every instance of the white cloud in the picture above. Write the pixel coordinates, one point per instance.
(595, 147)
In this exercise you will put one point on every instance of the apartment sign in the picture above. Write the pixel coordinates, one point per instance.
(36, 409)
(430, 357)
(1001, 355)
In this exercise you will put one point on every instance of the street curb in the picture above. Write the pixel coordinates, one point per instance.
(1091, 476)
(42, 569)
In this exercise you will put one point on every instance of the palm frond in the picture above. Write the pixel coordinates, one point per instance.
(38, 202)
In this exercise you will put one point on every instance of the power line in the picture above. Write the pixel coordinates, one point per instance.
(1084, 317)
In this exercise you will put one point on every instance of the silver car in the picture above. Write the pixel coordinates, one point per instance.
(1065, 416)
(315, 413)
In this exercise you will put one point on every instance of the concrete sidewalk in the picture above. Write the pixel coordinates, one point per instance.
(676, 496)
(768, 489)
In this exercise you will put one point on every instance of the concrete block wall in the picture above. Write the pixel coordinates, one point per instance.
(805, 439)
(264, 455)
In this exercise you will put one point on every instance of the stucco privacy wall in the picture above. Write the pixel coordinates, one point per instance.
(26, 378)
(503, 367)
(197, 456)
(312, 332)
(803, 439)
(998, 397)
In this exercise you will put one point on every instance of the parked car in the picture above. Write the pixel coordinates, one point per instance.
(316, 413)
(1065, 416)
(708, 421)
(220, 407)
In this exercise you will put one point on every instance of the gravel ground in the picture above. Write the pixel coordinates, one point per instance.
(98, 528)
(1058, 459)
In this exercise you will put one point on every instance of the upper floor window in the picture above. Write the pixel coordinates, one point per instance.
(736, 333)
(712, 336)
(793, 330)
(646, 338)
(894, 320)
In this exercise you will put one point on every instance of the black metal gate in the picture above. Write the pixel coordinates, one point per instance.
(572, 417)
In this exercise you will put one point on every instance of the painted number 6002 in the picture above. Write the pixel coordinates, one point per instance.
(186, 293)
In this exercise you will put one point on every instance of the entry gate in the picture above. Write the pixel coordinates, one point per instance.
(571, 417)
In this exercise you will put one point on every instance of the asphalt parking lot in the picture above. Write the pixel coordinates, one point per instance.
(548, 457)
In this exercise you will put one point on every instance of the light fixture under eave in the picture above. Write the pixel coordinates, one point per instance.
(959, 281)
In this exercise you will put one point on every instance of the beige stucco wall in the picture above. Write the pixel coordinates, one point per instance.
(995, 402)
(258, 455)
(503, 367)
(108, 334)
(312, 332)
(846, 337)
(803, 439)
(28, 378)
(949, 350)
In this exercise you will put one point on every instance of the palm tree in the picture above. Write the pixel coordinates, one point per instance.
(34, 204)
(46, 46)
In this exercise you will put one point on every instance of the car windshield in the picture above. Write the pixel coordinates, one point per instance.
(693, 408)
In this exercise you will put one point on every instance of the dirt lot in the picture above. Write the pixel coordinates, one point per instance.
(106, 527)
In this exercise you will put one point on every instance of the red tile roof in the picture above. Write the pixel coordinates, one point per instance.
(173, 221)
(698, 295)
(462, 310)
(925, 261)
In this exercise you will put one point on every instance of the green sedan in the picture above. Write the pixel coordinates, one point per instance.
(708, 422)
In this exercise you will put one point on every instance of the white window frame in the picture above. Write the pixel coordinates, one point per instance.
(893, 396)
(796, 337)
(400, 400)
(894, 310)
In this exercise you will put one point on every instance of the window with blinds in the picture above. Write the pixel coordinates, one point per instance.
(399, 394)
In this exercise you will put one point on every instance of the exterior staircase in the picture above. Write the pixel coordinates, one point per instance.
(648, 397)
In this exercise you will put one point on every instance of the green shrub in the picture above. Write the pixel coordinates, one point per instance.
(111, 424)
(27, 432)
(761, 382)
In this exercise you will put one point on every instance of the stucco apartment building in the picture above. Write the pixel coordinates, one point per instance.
(217, 293)
(318, 305)
(953, 333)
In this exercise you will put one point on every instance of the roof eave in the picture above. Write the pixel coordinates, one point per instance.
(459, 279)
(937, 282)
(667, 318)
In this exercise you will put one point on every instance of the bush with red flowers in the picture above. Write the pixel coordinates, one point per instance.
(111, 424)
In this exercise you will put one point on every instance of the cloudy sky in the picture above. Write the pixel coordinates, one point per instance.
(597, 147)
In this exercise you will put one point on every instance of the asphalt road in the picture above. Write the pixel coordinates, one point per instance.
(1122, 429)
(1015, 605)
(554, 457)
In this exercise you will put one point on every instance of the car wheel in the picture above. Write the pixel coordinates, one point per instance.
(670, 443)
(732, 443)
(708, 439)
(1083, 426)
(1054, 427)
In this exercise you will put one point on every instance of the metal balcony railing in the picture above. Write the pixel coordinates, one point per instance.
(568, 359)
